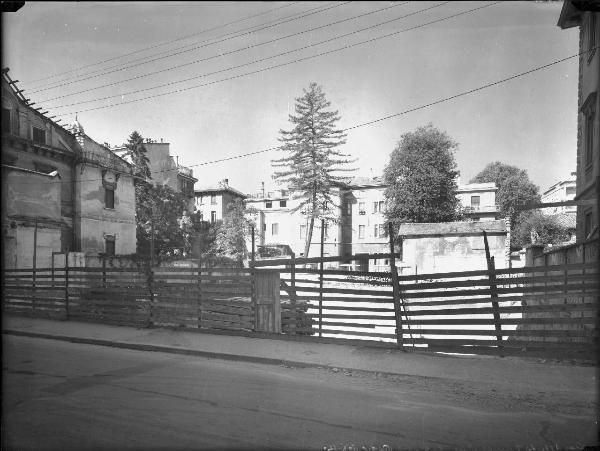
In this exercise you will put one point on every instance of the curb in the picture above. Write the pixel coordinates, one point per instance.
(193, 352)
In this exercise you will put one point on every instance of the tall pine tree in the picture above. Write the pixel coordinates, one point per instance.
(311, 169)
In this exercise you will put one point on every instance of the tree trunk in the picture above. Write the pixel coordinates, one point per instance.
(309, 233)
(311, 225)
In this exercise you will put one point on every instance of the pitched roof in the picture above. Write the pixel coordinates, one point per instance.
(451, 228)
(567, 220)
(220, 189)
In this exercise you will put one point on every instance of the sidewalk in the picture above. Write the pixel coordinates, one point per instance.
(505, 370)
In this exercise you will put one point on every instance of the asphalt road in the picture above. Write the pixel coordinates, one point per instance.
(59, 395)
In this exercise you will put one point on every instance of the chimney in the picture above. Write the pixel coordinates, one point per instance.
(226, 183)
(161, 140)
(263, 188)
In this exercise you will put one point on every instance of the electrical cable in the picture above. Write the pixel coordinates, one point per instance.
(277, 65)
(178, 53)
(363, 124)
(220, 55)
(164, 43)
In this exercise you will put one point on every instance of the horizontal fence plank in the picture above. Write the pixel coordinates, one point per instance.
(500, 299)
(326, 272)
(333, 315)
(504, 310)
(483, 342)
(303, 261)
(358, 334)
(339, 291)
(490, 321)
(508, 333)
(381, 300)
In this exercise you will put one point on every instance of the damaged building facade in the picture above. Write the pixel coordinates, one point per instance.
(62, 192)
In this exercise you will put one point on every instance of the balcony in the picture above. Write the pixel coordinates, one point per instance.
(480, 209)
(185, 171)
(111, 161)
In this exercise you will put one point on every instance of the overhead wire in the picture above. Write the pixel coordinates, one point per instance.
(165, 43)
(194, 48)
(374, 121)
(222, 54)
(276, 65)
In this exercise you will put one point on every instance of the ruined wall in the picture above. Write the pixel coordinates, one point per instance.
(451, 253)
(97, 221)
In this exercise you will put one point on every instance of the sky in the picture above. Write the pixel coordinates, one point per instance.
(57, 50)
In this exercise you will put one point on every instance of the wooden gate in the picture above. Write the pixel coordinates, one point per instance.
(268, 307)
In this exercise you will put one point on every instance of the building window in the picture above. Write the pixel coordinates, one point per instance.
(109, 198)
(587, 224)
(6, 120)
(109, 245)
(347, 209)
(213, 199)
(589, 111)
(325, 230)
(200, 200)
(283, 203)
(378, 207)
(379, 231)
(361, 208)
(591, 36)
(268, 204)
(361, 232)
(274, 229)
(475, 202)
(589, 138)
(213, 217)
(302, 231)
(38, 135)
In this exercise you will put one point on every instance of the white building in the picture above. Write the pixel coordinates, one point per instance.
(561, 191)
(478, 201)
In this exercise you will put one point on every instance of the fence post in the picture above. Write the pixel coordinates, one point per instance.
(200, 292)
(253, 283)
(395, 288)
(292, 329)
(321, 280)
(66, 285)
(493, 288)
(151, 292)
(35, 230)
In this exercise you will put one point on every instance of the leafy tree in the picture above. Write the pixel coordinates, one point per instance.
(163, 208)
(537, 228)
(311, 169)
(421, 178)
(514, 187)
(137, 152)
(515, 190)
(232, 232)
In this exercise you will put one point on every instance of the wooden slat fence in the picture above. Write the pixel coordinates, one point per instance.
(214, 298)
(517, 310)
(39, 292)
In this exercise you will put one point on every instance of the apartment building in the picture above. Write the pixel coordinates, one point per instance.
(212, 202)
(478, 201)
(563, 190)
(585, 16)
(166, 170)
(61, 190)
